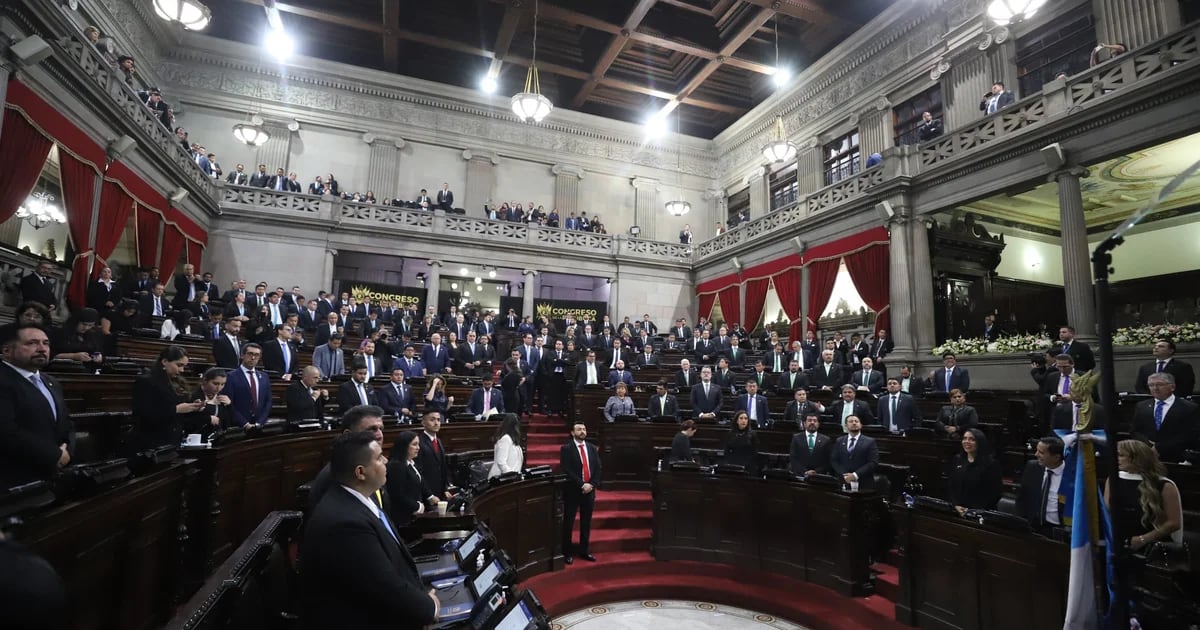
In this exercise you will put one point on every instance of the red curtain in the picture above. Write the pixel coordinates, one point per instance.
(706, 305)
(822, 274)
(78, 182)
(731, 304)
(147, 225)
(869, 270)
(756, 299)
(22, 155)
(172, 249)
(115, 207)
(194, 253)
(787, 288)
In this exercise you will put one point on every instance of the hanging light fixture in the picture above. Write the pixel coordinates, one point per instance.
(1004, 12)
(530, 105)
(252, 133)
(679, 206)
(193, 15)
(779, 150)
(38, 212)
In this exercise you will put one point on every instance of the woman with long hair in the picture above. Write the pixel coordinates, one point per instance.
(958, 416)
(160, 399)
(507, 455)
(406, 488)
(79, 340)
(975, 481)
(741, 445)
(435, 395)
(179, 323)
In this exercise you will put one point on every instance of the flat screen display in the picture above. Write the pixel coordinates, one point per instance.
(517, 618)
(486, 578)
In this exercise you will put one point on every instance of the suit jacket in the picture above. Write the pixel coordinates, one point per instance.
(620, 376)
(1004, 99)
(475, 405)
(655, 406)
(406, 491)
(308, 322)
(224, 354)
(861, 409)
(435, 363)
(182, 288)
(761, 413)
(1084, 359)
(735, 356)
(644, 362)
(908, 414)
(301, 405)
(393, 401)
(34, 289)
(98, 294)
(261, 180)
(329, 362)
(236, 178)
(803, 460)
(1053, 382)
(146, 306)
(964, 417)
(154, 413)
(30, 431)
(433, 465)
(581, 374)
(347, 546)
(272, 357)
(766, 380)
(410, 371)
(571, 465)
(959, 379)
(874, 380)
(706, 404)
(692, 378)
(1180, 428)
(862, 461)
(237, 387)
(445, 199)
(347, 395)
(880, 349)
(707, 354)
(832, 378)
(465, 355)
(797, 413)
(1029, 497)
(1185, 377)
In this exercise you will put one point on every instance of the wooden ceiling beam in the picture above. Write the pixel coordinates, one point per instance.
(391, 42)
(735, 42)
(614, 48)
(504, 36)
(812, 11)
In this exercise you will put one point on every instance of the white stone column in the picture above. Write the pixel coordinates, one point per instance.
(963, 87)
(921, 276)
(810, 167)
(433, 282)
(760, 193)
(1134, 23)
(900, 295)
(1077, 269)
(566, 188)
(529, 293)
(481, 179)
(327, 270)
(647, 207)
(383, 169)
(719, 202)
(875, 128)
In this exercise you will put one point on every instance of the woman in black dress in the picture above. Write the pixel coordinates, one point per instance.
(406, 489)
(741, 447)
(160, 400)
(975, 481)
(681, 446)
(958, 416)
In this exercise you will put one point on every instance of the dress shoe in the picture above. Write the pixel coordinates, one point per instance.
(589, 557)
(568, 559)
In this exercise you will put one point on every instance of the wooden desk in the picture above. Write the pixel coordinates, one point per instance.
(790, 528)
(526, 517)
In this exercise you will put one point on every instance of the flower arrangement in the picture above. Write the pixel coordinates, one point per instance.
(1148, 334)
(1131, 336)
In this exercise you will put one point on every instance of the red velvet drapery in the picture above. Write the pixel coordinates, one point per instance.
(195, 251)
(756, 299)
(707, 300)
(23, 152)
(172, 249)
(822, 274)
(78, 183)
(115, 207)
(147, 224)
(731, 304)
(869, 270)
(787, 287)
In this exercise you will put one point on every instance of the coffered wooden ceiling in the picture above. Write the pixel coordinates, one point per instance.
(622, 59)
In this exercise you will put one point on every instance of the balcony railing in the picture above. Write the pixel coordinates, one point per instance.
(844, 191)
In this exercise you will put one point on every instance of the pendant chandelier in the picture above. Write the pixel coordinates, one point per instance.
(252, 133)
(779, 150)
(193, 15)
(530, 105)
(1005, 12)
(679, 206)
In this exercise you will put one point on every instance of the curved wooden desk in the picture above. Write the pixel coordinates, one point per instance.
(526, 518)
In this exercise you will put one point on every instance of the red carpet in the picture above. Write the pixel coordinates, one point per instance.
(621, 537)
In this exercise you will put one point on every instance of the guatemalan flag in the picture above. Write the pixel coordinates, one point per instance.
(1089, 522)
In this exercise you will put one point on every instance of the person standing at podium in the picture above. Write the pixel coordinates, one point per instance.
(579, 460)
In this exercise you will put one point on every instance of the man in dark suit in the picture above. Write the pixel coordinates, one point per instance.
(765, 380)
(855, 456)
(800, 406)
(1038, 499)
(646, 358)
(38, 437)
(810, 451)
(929, 128)
(881, 346)
(279, 354)
(358, 420)
(867, 379)
(620, 375)
(950, 376)
(896, 410)
(445, 198)
(470, 356)
(350, 542)
(309, 317)
(1171, 424)
(827, 374)
(791, 380)
(396, 397)
(1079, 351)
(686, 376)
(153, 304)
(997, 99)
(279, 182)
(227, 350)
(357, 390)
(848, 405)
(589, 372)
(435, 356)
(579, 460)
(1165, 361)
(706, 397)
(304, 400)
(990, 330)
(754, 404)
(734, 354)
(431, 461)
(38, 286)
(662, 404)
(484, 398)
(186, 290)
(260, 179)
(249, 389)
(706, 350)
(330, 327)
(1057, 385)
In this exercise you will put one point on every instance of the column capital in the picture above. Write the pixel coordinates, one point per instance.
(1078, 172)
(529, 272)
(811, 143)
(754, 174)
(881, 104)
(645, 182)
(714, 193)
(481, 154)
(567, 169)
(434, 263)
(330, 251)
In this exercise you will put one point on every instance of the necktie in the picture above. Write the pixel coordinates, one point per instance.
(1045, 495)
(777, 363)
(437, 448)
(587, 473)
(157, 307)
(287, 358)
(1066, 388)
(750, 407)
(892, 414)
(370, 367)
(253, 390)
(949, 373)
(865, 375)
(379, 498)
(275, 315)
(812, 441)
(850, 445)
(362, 393)
(386, 525)
(1066, 348)
(706, 390)
(1161, 366)
(37, 381)
(216, 331)
(1159, 410)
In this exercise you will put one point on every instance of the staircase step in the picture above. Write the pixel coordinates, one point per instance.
(624, 500)
(619, 540)
(621, 519)
(887, 581)
(892, 557)
(544, 438)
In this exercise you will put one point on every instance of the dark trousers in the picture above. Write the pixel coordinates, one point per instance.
(554, 394)
(574, 501)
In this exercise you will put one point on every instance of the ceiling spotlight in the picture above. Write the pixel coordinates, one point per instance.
(279, 44)
(1004, 12)
(466, 294)
(453, 286)
(479, 287)
(190, 13)
(656, 126)
(489, 85)
(492, 273)
(462, 272)
(478, 280)
(781, 76)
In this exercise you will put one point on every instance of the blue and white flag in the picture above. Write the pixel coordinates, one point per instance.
(1089, 525)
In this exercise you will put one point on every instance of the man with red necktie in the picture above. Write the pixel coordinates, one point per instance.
(579, 460)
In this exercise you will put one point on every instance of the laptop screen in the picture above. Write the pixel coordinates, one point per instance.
(517, 618)
(469, 545)
(486, 578)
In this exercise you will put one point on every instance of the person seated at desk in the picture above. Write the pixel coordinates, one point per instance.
(161, 402)
(855, 456)
(849, 405)
(620, 375)
(486, 400)
(619, 404)
(662, 404)
(407, 491)
(810, 451)
(867, 379)
(507, 455)
(79, 340)
(958, 416)
(357, 572)
(681, 445)
(741, 445)
(1038, 500)
(754, 404)
(706, 396)
(304, 400)
(975, 481)
(216, 414)
(396, 397)
(800, 406)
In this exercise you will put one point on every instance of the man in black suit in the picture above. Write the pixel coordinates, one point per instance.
(868, 379)
(309, 317)
(304, 400)
(1057, 386)
(38, 438)
(431, 461)
(896, 410)
(279, 354)
(827, 374)
(706, 397)
(686, 376)
(997, 99)
(990, 330)
(706, 350)
(186, 290)
(848, 406)
(1171, 424)
(855, 456)
(357, 420)
(1079, 351)
(754, 404)
(811, 451)
(356, 391)
(579, 460)
(765, 380)
(800, 406)
(469, 357)
(227, 350)
(279, 182)
(1165, 361)
(662, 404)
(881, 346)
(260, 179)
(791, 380)
(445, 198)
(153, 304)
(1066, 415)
(357, 572)
(929, 128)
(396, 397)
(38, 286)
(950, 376)
(1038, 499)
